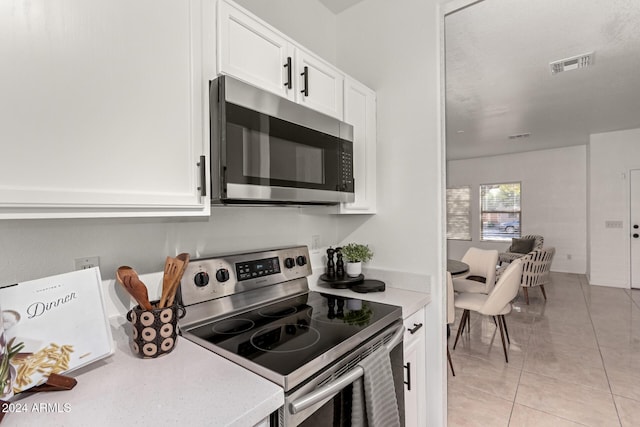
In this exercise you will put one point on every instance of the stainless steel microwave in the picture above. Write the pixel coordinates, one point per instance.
(268, 150)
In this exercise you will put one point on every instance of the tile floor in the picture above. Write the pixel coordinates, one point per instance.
(574, 360)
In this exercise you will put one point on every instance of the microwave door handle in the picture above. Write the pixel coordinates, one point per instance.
(334, 387)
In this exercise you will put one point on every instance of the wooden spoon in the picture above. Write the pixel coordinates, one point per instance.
(129, 279)
(184, 257)
(172, 272)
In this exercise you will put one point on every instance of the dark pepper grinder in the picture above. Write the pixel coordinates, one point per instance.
(331, 267)
(339, 264)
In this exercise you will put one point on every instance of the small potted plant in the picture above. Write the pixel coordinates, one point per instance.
(355, 254)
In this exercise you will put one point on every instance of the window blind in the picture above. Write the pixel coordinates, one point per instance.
(459, 213)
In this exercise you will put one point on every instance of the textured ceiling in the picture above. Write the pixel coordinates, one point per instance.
(498, 80)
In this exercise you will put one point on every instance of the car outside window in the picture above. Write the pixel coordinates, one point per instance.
(500, 211)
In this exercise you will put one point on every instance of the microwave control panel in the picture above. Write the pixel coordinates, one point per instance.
(347, 171)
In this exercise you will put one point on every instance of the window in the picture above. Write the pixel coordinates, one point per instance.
(458, 213)
(500, 211)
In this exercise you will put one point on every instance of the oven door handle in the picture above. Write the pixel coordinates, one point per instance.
(334, 387)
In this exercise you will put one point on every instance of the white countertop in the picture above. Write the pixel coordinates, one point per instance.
(189, 386)
(410, 301)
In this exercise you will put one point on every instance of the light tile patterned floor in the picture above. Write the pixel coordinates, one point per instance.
(574, 360)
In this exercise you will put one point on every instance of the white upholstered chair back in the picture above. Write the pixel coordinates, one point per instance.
(482, 262)
(504, 291)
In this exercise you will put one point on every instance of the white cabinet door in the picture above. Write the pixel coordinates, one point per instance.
(320, 85)
(254, 53)
(415, 379)
(360, 111)
(411, 402)
(103, 108)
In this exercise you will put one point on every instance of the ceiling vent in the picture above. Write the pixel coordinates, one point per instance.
(573, 63)
(520, 136)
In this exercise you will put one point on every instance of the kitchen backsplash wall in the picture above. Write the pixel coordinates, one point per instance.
(33, 249)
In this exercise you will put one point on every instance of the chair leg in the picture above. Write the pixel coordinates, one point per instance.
(504, 345)
(494, 321)
(505, 327)
(450, 362)
(463, 319)
(526, 295)
(544, 294)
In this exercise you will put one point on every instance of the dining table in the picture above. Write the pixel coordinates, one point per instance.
(456, 267)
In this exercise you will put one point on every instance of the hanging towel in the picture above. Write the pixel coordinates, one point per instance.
(358, 405)
(379, 393)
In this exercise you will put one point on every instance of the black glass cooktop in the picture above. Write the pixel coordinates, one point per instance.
(286, 336)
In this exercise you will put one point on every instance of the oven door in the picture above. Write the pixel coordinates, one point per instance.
(325, 400)
(273, 150)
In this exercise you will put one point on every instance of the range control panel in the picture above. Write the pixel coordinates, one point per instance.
(258, 268)
(215, 277)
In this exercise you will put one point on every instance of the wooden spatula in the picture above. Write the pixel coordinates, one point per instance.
(184, 257)
(172, 272)
(129, 279)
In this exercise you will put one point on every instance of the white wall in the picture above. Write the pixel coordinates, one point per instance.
(553, 200)
(393, 48)
(378, 46)
(32, 249)
(611, 156)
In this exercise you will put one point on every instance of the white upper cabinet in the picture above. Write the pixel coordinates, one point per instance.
(320, 85)
(105, 107)
(253, 51)
(360, 111)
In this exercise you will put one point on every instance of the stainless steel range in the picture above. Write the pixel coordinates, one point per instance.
(256, 310)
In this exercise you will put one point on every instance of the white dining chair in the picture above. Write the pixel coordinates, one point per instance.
(481, 276)
(497, 303)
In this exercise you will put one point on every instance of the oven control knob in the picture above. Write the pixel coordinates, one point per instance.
(301, 260)
(289, 262)
(201, 279)
(222, 275)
